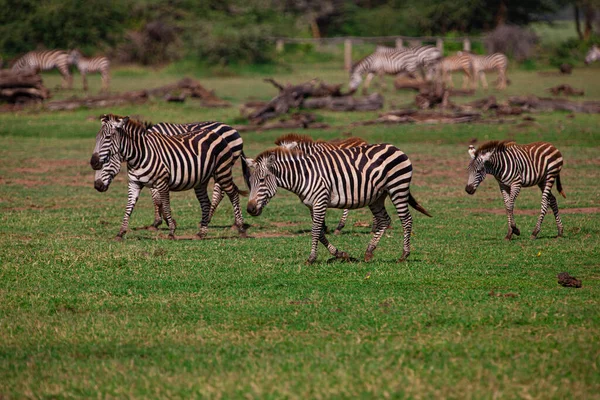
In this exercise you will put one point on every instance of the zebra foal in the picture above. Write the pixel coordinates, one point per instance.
(37, 61)
(342, 178)
(86, 66)
(457, 62)
(167, 163)
(515, 166)
(481, 64)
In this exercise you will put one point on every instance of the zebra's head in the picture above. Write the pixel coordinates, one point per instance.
(355, 80)
(263, 183)
(476, 169)
(592, 55)
(74, 56)
(106, 139)
(104, 176)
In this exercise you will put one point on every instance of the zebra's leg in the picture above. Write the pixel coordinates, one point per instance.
(554, 206)
(157, 210)
(381, 220)
(67, 78)
(318, 233)
(85, 82)
(105, 81)
(400, 201)
(501, 80)
(217, 196)
(546, 188)
(133, 193)
(202, 196)
(233, 193)
(163, 194)
(484, 83)
(342, 222)
(365, 88)
(509, 195)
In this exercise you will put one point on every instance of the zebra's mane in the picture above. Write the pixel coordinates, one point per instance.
(497, 145)
(279, 152)
(294, 137)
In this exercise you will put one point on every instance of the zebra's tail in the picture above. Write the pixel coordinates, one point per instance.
(559, 186)
(413, 203)
(245, 169)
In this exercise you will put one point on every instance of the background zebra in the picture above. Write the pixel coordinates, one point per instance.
(168, 163)
(86, 66)
(516, 166)
(342, 178)
(110, 169)
(592, 55)
(390, 61)
(494, 62)
(308, 146)
(36, 61)
(457, 62)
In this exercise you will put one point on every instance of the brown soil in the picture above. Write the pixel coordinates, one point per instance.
(577, 210)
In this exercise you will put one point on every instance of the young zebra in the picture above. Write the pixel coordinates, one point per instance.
(592, 55)
(308, 146)
(516, 166)
(86, 66)
(392, 62)
(36, 61)
(168, 163)
(109, 170)
(342, 178)
(457, 63)
(494, 62)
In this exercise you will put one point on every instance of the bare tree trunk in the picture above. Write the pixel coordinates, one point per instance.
(314, 27)
(589, 20)
(577, 21)
(502, 13)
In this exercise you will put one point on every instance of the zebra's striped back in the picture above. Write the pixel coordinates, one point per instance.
(493, 62)
(307, 145)
(457, 62)
(42, 61)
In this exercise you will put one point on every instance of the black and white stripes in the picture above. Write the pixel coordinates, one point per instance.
(516, 166)
(497, 62)
(86, 66)
(342, 178)
(36, 61)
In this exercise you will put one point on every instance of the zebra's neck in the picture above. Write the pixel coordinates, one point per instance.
(505, 164)
(134, 146)
(291, 174)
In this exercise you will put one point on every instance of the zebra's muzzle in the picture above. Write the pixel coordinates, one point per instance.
(95, 162)
(470, 189)
(100, 186)
(253, 209)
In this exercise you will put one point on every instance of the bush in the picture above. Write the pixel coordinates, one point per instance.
(516, 42)
(572, 51)
(157, 43)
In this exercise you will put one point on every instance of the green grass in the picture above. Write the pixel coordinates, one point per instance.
(84, 316)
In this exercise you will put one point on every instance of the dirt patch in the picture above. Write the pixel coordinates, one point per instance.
(41, 166)
(566, 280)
(577, 210)
(285, 224)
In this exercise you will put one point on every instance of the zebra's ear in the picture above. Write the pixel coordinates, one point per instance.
(250, 163)
(472, 151)
(289, 145)
(104, 118)
(122, 122)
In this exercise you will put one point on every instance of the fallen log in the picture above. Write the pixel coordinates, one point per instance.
(566, 90)
(550, 104)
(22, 88)
(422, 117)
(346, 103)
(137, 97)
(296, 121)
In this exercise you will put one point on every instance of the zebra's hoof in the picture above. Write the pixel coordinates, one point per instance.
(404, 256)
(342, 255)
(337, 232)
(118, 238)
(516, 231)
(508, 237)
(533, 237)
(172, 237)
(368, 256)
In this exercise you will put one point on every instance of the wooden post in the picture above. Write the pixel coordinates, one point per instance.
(279, 46)
(466, 44)
(399, 43)
(439, 43)
(347, 54)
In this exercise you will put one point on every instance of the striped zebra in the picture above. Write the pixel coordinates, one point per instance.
(86, 66)
(109, 170)
(592, 55)
(457, 62)
(168, 163)
(309, 146)
(516, 166)
(342, 178)
(481, 64)
(37, 61)
(386, 60)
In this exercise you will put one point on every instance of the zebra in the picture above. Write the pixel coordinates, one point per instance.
(168, 163)
(36, 61)
(516, 166)
(457, 62)
(494, 62)
(109, 170)
(342, 178)
(308, 146)
(592, 55)
(85, 66)
(386, 60)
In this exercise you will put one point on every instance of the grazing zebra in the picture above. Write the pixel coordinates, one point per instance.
(592, 55)
(168, 163)
(494, 62)
(391, 61)
(342, 178)
(109, 170)
(516, 166)
(86, 66)
(308, 146)
(36, 61)
(457, 63)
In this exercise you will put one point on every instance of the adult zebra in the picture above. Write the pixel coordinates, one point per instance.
(86, 66)
(481, 64)
(516, 166)
(457, 62)
(392, 62)
(168, 163)
(309, 146)
(342, 178)
(592, 55)
(36, 61)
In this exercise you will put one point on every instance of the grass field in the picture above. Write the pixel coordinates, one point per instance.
(469, 315)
